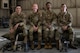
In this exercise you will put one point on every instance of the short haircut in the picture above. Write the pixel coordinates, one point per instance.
(19, 6)
(48, 3)
(62, 4)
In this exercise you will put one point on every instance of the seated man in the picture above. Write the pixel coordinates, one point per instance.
(17, 20)
(35, 25)
(65, 21)
(49, 22)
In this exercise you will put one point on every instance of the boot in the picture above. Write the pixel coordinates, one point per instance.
(32, 45)
(50, 45)
(39, 45)
(60, 45)
(46, 45)
(14, 46)
(72, 45)
(57, 44)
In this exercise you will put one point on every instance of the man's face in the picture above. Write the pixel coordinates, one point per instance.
(35, 7)
(64, 27)
(48, 6)
(18, 9)
(63, 8)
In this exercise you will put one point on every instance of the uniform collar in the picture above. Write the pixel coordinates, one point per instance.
(49, 10)
(64, 13)
(17, 13)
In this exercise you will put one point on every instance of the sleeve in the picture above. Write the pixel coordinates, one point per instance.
(30, 20)
(11, 21)
(54, 21)
(40, 19)
(43, 19)
(24, 20)
(59, 20)
(70, 19)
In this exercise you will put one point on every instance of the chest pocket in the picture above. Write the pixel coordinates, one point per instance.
(66, 17)
(49, 17)
(35, 18)
(18, 18)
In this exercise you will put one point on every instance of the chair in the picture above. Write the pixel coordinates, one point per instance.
(65, 41)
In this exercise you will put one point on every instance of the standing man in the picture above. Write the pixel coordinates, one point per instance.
(49, 21)
(35, 25)
(18, 20)
(65, 24)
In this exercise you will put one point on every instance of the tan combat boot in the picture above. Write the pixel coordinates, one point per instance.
(49, 45)
(32, 45)
(57, 44)
(46, 45)
(39, 45)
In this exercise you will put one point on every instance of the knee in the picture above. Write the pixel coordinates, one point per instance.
(30, 31)
(40, 31)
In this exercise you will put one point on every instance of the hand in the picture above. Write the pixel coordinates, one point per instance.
(15, 27)
(49, 26)
(11, 30)
(35, 28)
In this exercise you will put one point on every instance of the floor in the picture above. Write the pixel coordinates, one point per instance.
(54, 50)
(47, 51)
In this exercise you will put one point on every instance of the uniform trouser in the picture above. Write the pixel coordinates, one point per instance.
(70, 36)
(39, 31)
(21, 30)
(70, 33)
(57, 34)
(58, 40)
(48, 33)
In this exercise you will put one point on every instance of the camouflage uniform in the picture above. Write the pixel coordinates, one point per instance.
(49, 19)
(35, 20)
(15, 18)
(65, 19)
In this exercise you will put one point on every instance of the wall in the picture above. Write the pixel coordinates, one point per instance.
(4, 12)
(55, 3)
(73, 7)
